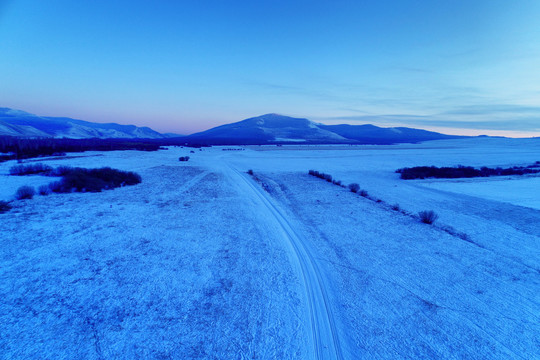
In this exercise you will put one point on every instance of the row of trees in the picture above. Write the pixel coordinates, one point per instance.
(24, 148)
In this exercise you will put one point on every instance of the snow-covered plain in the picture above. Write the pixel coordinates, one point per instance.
(201, 260)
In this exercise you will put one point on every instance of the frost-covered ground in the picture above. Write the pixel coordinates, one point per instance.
(202, 261)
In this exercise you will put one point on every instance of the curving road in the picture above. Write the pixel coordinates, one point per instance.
(324, 339)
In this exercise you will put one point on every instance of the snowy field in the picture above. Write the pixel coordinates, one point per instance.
(202, 260)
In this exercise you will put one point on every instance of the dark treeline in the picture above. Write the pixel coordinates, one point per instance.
(24, 148)
(425, 172)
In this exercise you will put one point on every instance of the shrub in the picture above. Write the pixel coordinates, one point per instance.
(93, 180)
(363, 193)
(428, 216)
(395, 207)
(25, 192)
(4, 207)
(327, 177)
(424, 172)
(55, 186)
(250, 172)
(44, 190)
(38, 168)
(183, 158)
(354, 187)
(336, 182)
(61, 171)
(311, 172)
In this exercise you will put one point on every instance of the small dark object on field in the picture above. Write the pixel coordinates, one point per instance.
(354, 187)
(192, 152)
(363, 193)
(4, 207)
(428, 216)
(25, 192)
(183, 158)
(250, 172)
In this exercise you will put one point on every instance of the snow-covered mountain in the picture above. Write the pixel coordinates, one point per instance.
(20, 123)
(272, 128)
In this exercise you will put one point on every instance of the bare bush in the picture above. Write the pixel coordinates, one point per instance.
(4, 207)
(38, 168)
(44, 190)
(428, 216)
(25, 192)
(354, 187)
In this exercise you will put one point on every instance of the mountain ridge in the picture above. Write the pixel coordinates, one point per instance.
(23, 124)
(275, 128)
(264, 129)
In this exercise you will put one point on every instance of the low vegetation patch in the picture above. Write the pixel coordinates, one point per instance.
(426, 172)
(183, 158)
(321, 175)
(93, 180)
(44, 190)
(25, 192)
(4, 207)
(427, 216)
(30, 169)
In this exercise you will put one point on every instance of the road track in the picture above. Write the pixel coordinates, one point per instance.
(324, 338)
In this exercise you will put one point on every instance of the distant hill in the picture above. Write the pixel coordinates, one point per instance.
(274, 128)
(20, 123)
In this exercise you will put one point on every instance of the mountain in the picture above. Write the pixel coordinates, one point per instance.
(274, 128)
(264, 129)
(20, 123)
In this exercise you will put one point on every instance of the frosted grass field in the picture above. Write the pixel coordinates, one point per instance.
(202, 261)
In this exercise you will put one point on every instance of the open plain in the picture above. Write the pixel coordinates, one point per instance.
(202, 260)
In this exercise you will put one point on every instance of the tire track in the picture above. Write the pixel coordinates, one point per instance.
(324, 339)
(189, 184)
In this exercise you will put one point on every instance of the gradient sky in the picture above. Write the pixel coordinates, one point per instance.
(466, 67)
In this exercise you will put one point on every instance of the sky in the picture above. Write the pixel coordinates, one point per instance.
(462, 67)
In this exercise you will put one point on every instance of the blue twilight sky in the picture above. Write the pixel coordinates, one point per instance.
(464, 67)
